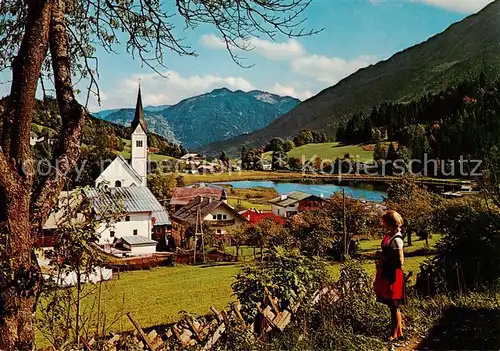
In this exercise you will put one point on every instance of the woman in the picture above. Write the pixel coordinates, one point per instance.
(389, 281)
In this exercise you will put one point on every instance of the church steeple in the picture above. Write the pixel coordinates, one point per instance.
(139, 152)
(139, 114)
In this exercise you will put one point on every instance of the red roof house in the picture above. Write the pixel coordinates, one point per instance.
(182, 196)
(255, 217)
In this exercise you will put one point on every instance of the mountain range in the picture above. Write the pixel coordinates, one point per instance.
(212, 117)
(462, 51)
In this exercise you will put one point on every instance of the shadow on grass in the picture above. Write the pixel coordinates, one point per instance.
(465, 329)
(216, 264)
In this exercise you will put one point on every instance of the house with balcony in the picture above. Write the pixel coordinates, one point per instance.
(287, 205)
(213, 214)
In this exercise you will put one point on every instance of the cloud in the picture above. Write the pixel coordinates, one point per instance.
(329, 69)
(290, 49)
(212, 41)
(460, 6)
(165, 91)
(288, 90)
(323, 68)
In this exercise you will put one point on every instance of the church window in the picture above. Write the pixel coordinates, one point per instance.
(118, 184)
(127, 219)
(138, 143)
(135, 231)
(112, 234)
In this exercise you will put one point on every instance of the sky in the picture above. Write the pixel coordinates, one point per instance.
(355, 34)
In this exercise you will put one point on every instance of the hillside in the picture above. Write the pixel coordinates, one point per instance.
(215, 116)
(155, 120)
(463, 50)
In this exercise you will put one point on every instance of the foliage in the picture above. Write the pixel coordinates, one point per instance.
(288, 275)
(268, 233)
(295, 164)
(442, 126)
(62, 320)
(279, 160)
(353, 322)
(251, 159)
(380, 152)
(240, 235)
(288, 145)
(162, 185)
(468, 254)
(312, 231)
(413, 203)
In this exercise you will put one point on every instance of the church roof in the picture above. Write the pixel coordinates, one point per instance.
(127, 167)
(139, 114)
(128, 199)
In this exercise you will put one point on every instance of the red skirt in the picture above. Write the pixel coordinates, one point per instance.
(390, 294)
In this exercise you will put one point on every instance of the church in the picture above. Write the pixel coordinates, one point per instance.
(122, 174)
(145, 225)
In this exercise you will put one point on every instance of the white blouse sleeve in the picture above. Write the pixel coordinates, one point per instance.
(397, 243)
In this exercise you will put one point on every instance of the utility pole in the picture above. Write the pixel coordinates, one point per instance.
(344, 226)
(199, 232)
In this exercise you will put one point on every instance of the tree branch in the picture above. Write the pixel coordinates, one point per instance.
(26, 68)
(73, 117)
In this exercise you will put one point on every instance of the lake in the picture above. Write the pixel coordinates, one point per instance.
(363, 193)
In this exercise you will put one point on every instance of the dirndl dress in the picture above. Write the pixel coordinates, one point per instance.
(389, 280)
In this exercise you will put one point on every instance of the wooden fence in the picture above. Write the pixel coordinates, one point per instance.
(205, 332)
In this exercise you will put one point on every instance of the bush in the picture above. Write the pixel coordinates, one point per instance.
(354, 322)
(468, 254)
(288, 275)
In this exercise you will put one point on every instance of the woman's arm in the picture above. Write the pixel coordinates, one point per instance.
(401, 256)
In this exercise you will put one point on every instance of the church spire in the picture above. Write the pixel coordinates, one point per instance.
(139, 114)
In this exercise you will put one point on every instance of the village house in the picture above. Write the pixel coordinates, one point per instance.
(183, 195)
(191, 159)
(212, 213)
(287, 205)
(255, 216)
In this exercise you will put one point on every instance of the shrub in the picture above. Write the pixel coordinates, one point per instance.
(354, 322)
(468, 254)
(288, 275)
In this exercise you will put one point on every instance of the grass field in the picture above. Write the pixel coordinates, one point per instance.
(330, 151)
(370, 246)
(156, 296)
(243, 175)
(257, 198)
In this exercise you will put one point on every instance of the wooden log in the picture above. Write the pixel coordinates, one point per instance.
(283, 319)
(217, 314)
(215, 337)
(269, 316)
(141, 333)
(237, 308)
(271, 301)
(189, 321)
(154, 339)
(86, 345)
(225, 318)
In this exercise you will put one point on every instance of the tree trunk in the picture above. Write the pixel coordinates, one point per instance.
(237, 252)
(19, 289)
(409, 238)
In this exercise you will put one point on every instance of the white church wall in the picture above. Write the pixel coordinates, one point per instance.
(137, 221)
(116, 172)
